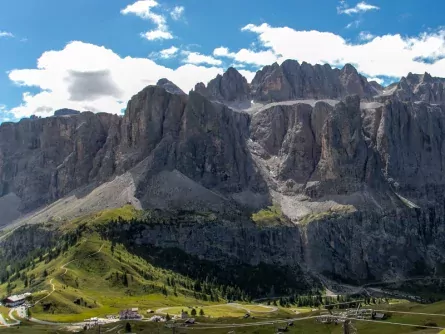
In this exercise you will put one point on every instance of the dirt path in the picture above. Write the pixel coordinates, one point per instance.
(63, 267)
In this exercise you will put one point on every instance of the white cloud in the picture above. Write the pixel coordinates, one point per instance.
(388, 55)
(143, 9)
(378, 80)
(238, 65)
(157, 34)
(129, 74)
(247, 56)
(353, 24)
(198, 58)
(169, 53)
(221, 52)
(365, 36)
(247, 74)
(177, 12)
(361, 7)
(6, 34)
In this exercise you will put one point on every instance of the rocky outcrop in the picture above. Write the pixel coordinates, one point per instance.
(290, 81)
(45, 159)
(417, 87)
(170, 86)
(229, 87)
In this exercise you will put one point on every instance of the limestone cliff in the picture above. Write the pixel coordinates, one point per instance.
(360, 182)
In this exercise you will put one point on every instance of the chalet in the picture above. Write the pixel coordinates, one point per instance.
(15, 300)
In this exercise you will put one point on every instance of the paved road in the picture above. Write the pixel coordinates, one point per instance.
(251, 324)
(397, 323)
(13, 321)
(414, 313)
(270, 309)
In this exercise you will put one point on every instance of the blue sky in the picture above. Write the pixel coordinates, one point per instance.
(95, 54)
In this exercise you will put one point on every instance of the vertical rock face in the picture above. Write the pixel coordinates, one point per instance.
(229, 87)
(410, 142)
(286, 132)
(152, 121)
(294, 81)
(212, 145)
(344, 152)
(44, 159)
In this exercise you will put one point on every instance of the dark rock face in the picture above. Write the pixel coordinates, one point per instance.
(292, 81)
(44, 159)
(229, 87)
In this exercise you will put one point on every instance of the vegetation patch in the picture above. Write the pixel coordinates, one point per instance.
(272, 215)
(334, 212)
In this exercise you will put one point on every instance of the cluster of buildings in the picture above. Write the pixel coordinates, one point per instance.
(130, 314)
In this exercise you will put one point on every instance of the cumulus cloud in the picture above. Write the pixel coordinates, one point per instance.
(365, 36)
(61, 73)
(143, 9)
(169, 53)
(361, 7)
(6, 34)
(387, 55)
(177, 13)
(198, 58)
(380, 81)
(247, 56)
(153, 35)
(91, 85)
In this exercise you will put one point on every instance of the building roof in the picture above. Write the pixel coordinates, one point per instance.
(16, 298)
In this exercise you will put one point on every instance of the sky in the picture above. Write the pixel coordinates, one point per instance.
(96, 54)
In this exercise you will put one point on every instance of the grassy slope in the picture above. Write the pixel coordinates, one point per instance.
(90, 278)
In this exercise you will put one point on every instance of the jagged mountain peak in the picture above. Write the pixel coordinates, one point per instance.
(348, 68)
(417, 87)
(170, 86)
(229, 87)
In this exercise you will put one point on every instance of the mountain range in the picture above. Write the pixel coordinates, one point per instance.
(355, 169)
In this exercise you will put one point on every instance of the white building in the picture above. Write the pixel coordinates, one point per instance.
(16, 300)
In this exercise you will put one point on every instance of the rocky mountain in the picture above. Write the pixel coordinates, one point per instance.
(418, 87)
(359, 183)
(289, 81)
(170, 86)
(230, 88)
